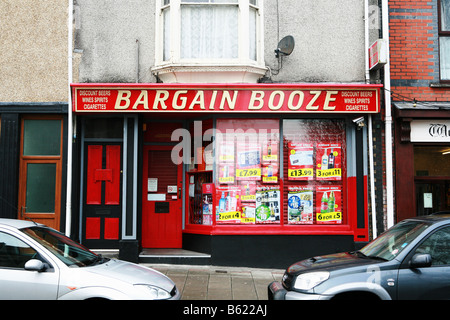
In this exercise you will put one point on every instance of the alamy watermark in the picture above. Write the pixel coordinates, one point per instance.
(189, 142)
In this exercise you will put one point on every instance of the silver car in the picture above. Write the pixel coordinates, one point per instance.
(37, 262)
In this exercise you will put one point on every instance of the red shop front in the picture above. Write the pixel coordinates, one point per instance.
(256, 175)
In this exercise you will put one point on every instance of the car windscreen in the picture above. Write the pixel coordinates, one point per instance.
(68, 251)
(389, 245)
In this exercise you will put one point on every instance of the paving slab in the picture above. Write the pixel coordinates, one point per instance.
(218, 282)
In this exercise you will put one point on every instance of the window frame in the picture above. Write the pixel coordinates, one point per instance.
(175, 35)
(441, 34)
(346, 227)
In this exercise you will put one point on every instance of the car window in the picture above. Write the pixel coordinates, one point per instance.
(438, 246)
(14, 253)
(389, 245)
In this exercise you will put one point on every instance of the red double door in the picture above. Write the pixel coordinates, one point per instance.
(162, 199)
(102, 205)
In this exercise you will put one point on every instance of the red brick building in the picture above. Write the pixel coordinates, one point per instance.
(420, 85)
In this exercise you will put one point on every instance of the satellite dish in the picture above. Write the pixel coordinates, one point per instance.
(285, 46)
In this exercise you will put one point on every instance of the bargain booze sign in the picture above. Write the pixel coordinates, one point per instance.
(263, 98)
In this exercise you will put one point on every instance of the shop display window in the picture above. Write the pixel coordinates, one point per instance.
(248, 189)
(272, 172)
(314, 165)
(200, 169)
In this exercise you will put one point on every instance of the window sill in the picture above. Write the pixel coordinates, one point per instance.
(440, 85)
(204, 73)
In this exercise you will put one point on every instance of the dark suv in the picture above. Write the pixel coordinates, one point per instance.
(409, 261)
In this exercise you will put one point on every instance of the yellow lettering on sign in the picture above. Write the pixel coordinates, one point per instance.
(280, 101)
(336, 172)
(301, 97)
(177, 98)
(123, 96)
(310, 105)
(297, 173)
(160, 99)
(248, 172)
(328, 99)
(198, 100)
(143, 99)
(257, 97)
(329, 216)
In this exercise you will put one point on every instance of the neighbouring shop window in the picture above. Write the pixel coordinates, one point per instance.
(432, 161)
(314, 165)
(444, 39)
(432, 182)
(41, 179)
(42, 137)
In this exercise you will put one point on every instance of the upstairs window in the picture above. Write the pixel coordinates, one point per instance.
(444, 39)
(209, 29)
(209, 33)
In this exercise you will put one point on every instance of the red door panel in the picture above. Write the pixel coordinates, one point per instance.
(162, 216)
(94, 164)
(103, 208)
(112, 184)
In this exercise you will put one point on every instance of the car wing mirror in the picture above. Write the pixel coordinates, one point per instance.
(420, 261)
(35, 265)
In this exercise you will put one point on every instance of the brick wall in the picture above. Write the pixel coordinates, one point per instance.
(415, 51)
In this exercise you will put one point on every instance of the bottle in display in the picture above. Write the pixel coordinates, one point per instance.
(324, 161)
(331, 202)
(324, 203)
(331, 160)
(222, 203)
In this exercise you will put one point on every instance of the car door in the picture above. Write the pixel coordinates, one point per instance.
(16, 282)
(431, 282)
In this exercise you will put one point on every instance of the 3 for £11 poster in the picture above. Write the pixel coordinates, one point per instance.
(328, 161)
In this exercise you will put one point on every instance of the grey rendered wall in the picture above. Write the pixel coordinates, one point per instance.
(329, 37)
(106, 35)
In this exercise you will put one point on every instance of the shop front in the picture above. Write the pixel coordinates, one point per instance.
(422, 144)
(258, 174)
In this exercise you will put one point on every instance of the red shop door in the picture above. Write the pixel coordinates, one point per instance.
(102, 206)
(162, 202)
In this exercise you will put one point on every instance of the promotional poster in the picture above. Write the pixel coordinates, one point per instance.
(300, 205)
(329, 205)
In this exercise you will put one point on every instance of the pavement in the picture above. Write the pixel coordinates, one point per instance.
(219, 283)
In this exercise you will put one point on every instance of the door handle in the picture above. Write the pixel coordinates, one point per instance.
(179, 193)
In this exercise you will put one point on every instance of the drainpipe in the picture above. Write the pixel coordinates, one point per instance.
(69, 122)
(371, 164)
(388, 121)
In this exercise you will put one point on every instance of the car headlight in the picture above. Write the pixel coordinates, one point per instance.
(155, 293)
(308, 281)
